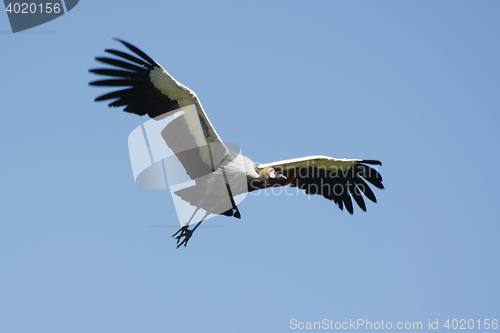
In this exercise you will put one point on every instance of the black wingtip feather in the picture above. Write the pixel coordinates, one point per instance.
(370, 174)
(122, 64)
(346, 198)
(117, 83)
(112, 72)
(372, 162)
(365, 189)
(355, 193)
(137, 51)
(130, 58)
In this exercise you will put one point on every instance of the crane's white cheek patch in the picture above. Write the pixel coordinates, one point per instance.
(198, 192)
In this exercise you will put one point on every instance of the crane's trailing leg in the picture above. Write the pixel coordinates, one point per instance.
(234, 211)
(186, 233)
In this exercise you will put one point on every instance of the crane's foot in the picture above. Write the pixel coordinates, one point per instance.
(185, 235)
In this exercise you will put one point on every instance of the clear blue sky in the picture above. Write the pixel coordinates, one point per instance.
(415, 84)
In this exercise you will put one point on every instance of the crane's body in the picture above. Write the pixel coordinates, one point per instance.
(219, 173)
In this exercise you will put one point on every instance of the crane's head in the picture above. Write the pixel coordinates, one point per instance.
(271, 175)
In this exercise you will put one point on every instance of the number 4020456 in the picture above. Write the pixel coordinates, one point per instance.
(32, 8)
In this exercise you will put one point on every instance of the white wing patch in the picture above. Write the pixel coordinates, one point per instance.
(170, 87)
(165, 83)
(317, 161)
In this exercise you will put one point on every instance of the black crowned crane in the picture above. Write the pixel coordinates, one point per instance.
(152, 91)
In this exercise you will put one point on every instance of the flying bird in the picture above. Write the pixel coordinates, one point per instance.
(221, 174)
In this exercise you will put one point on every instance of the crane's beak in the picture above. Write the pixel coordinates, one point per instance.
(276, 175)
(279, 173)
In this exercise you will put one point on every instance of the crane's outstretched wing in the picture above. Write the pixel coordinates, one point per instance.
(334, 179)
(152, 91)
